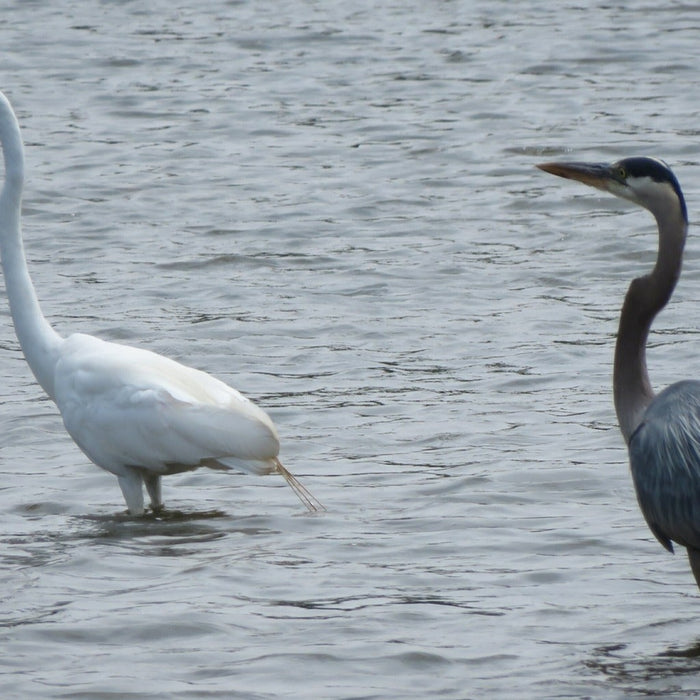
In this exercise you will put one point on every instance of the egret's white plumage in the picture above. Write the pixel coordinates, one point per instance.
(133, 412)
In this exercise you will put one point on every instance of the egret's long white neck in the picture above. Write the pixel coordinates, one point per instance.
(39, 342)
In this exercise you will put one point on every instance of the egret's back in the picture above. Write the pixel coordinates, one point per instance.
(126, 406)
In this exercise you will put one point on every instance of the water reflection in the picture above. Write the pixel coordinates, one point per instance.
(171, 526)
(691, 652)
(632, 671)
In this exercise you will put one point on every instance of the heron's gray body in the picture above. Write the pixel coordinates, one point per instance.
(665, 462)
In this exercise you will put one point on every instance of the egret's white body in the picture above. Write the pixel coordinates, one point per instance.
(135, 413)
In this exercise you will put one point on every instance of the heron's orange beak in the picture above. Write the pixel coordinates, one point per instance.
(596, 175)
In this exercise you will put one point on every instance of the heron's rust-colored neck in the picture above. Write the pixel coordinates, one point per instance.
(645, 297)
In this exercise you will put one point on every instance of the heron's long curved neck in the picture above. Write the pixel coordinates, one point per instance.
(38, 340)
(645, 297)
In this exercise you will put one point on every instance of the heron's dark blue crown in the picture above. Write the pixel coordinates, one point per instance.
(656, 170)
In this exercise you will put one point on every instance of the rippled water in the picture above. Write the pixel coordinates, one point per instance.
(334, 207)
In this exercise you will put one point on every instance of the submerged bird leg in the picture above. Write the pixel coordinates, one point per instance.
(153, 487)
(305, 496)
(694, 558)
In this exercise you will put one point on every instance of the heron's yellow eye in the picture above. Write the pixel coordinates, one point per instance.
(621, 172)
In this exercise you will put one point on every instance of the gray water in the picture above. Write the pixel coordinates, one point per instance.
(334, 207)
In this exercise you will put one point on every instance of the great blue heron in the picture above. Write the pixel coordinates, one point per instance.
(134, 413)
(662, 431)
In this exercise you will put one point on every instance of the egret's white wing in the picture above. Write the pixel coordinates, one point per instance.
(127, 406)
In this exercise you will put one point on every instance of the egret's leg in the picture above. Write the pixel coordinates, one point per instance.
(131, 485)
(152, 482)
(694, 558)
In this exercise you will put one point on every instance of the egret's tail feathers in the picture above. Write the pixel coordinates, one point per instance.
(305, 496)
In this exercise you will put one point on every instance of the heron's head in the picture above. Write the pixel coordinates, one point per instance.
(645, 181)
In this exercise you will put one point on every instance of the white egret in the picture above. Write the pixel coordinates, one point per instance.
(134, 413)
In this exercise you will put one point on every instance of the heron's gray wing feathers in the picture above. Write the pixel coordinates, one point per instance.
(665, 462)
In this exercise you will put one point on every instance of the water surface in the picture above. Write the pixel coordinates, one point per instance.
(334, 207)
